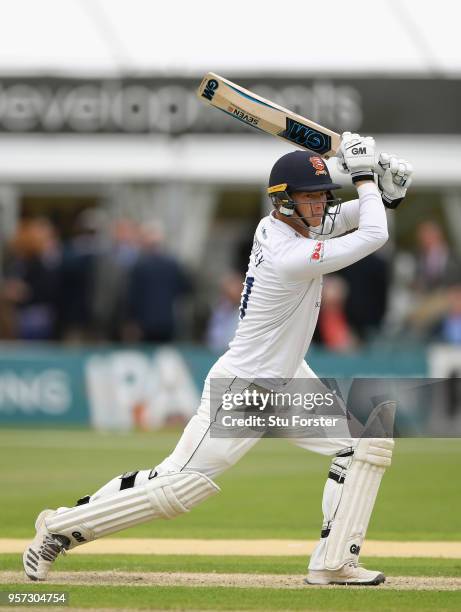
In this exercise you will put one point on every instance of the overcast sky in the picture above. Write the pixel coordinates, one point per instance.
(192, 37)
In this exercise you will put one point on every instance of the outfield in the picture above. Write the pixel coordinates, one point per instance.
(273, 493)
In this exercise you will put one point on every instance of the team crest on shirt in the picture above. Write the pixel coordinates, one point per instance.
(318, 164)
(317, 253)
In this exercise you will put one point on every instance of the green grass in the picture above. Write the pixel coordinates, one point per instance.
(227, 598)
(391, 566)
(274, 492)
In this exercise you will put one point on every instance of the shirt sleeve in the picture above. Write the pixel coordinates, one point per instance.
(347, 219)
(305, 259)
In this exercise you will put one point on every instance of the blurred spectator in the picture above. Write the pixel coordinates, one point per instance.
(225, 316)
(401, 294)
(435, 263)
(334, 331)
(366, 300)
(436, 269)
(78, 276)
(112, 268)
(31, 284)
(155, 287)
(450, 327)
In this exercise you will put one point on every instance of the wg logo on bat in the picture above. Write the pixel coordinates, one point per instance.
(211, 86)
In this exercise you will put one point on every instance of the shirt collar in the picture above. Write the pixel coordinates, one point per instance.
(283, 227)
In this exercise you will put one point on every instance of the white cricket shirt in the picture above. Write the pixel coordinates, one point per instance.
(282, 291)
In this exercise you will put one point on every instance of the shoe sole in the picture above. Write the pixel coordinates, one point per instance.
(380, 578)
(24, 563)
(40, 518)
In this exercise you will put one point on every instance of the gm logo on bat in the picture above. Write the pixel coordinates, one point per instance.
(211, 86)
(306, 136)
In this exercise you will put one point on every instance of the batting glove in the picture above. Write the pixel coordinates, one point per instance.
(394, 178)
(356, 155)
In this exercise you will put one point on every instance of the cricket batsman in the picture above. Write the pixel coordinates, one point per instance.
(308, 234)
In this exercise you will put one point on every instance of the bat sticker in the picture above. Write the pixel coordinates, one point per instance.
(211, 86)
(306, 136)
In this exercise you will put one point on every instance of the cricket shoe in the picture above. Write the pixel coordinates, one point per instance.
(350, 574)
(43, 549)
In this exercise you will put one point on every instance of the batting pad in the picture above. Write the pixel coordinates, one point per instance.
(371, 458)
(164, 496)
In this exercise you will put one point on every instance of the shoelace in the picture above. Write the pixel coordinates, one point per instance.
(51, 548)
(354, 564)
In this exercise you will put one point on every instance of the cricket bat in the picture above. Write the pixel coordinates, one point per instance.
(266, 116)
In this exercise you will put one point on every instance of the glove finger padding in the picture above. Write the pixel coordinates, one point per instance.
(341, 164)
(358, 153)
(401, 171)
(394, 178)
(383, 163)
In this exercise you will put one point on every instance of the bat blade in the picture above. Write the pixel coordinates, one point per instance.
(264, 115)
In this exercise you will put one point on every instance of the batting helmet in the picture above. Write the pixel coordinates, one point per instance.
(300, 171)
(303, 171)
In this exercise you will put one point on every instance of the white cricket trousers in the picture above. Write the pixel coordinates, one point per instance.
(198, 451)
